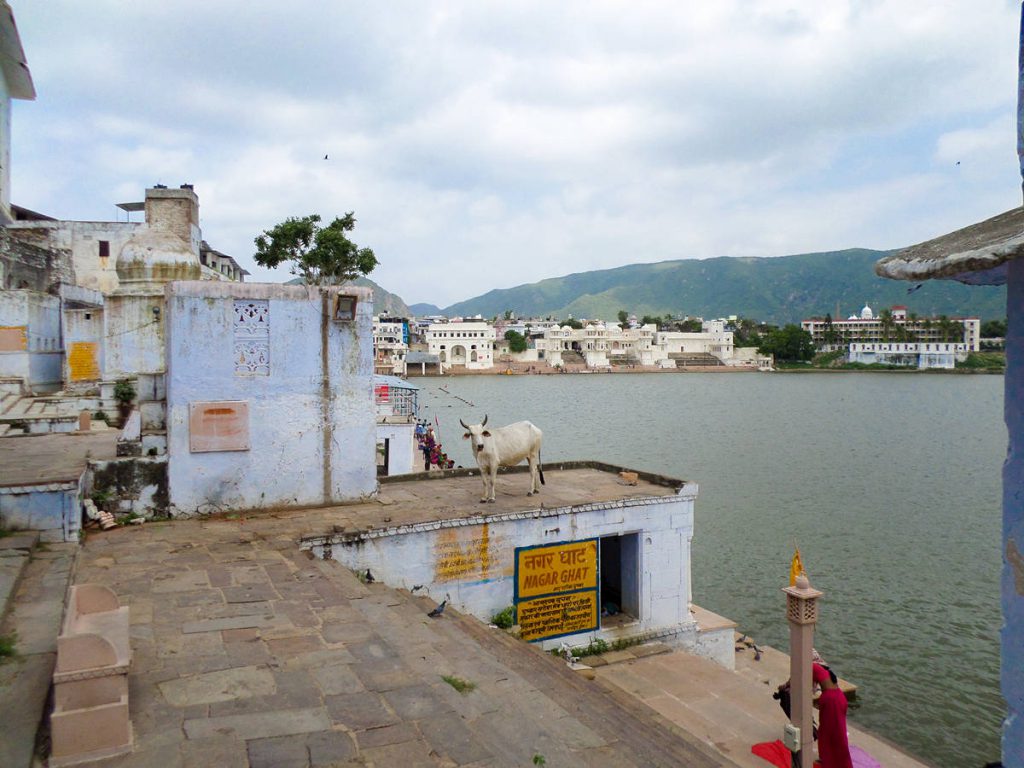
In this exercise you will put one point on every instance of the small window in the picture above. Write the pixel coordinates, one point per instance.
(104, 249)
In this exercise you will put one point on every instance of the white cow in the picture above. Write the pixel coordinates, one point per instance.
(505, 447)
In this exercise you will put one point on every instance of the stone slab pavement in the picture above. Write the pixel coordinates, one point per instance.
(249, 652)
(729, 710)
(51, 458)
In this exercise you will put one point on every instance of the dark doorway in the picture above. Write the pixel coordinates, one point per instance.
(620, 579)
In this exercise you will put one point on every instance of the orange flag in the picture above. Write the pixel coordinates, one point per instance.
(796, 567)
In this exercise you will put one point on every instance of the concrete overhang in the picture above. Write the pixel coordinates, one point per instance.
(976, 255)
(12, 57)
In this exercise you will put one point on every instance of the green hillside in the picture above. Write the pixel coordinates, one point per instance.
(777, 290)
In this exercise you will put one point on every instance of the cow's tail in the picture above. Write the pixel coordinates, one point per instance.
(540, 469)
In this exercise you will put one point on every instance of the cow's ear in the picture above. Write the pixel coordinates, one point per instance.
(486, 433)
(466, 436)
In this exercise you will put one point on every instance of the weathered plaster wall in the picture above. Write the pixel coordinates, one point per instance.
(52, 509)
(134, 339)
(474, 561)
(78, 245)
(30, 338)
(27, 262)
(1012, 661)
(403, 457)
(83, 342)
(310, 423)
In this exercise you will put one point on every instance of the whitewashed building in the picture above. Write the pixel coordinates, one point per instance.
(713, 339)
(466, 344)
(923, 356)
(390, 346)
(867, 327)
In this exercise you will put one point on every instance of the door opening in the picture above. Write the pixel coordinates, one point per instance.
(620, 579)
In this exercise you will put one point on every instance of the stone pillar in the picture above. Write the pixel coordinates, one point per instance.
(802, 614)
(1012, 662)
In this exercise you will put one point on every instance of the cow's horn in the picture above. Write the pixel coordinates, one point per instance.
(484, 422)
(464, 424)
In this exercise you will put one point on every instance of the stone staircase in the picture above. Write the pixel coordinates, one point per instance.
(27, 415)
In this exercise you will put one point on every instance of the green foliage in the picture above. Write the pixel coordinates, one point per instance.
(623, 317)
(516, 341)
(993, 329)
(788, 343)
(572, 323)
(539, 760)
(7, 649)
(505, 619)
(101, 416)
(460, 685)
(984, 361)
(319, 255)
(124, 392)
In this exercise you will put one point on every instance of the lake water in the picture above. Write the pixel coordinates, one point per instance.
(889, 483)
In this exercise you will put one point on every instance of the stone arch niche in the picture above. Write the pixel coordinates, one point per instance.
(458, 355)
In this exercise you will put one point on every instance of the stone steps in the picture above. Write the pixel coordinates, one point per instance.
(34, 618)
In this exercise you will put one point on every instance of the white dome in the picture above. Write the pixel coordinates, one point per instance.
(866, 313)
(156, 256)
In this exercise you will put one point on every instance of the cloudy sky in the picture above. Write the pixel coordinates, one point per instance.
(486, 144)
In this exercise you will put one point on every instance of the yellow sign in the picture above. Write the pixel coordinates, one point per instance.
(82, 362)
(557, 615)
(468, 554)
(564, 567)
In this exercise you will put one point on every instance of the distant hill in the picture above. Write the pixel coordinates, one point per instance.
(384, 302)
(777, 290)
(420, 310)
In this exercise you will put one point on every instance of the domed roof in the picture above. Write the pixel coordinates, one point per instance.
(153, 257)
(866, 313)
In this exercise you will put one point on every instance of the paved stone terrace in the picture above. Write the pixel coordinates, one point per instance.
(249, 653)
(454, 495)
(36, 459)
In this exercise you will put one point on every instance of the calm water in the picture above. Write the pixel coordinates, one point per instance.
(889, 483)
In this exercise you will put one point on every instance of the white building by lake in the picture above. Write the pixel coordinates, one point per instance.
(867, 327)
(467, 344)
(390, 346)
(922, 356)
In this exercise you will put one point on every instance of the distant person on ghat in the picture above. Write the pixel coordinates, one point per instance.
(833, 746)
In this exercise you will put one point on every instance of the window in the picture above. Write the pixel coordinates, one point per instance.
(104, 249)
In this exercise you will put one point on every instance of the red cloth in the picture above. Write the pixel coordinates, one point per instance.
(819, 674)
(833, 748)
(774, 752)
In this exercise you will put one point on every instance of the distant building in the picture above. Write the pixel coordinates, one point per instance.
(390, 345)
(15, 83)
(466, 344)
(911, 354)
(897, 326)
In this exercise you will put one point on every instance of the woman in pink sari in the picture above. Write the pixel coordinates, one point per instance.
(833, 747)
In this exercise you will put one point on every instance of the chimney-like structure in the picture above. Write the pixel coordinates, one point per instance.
(175, 211)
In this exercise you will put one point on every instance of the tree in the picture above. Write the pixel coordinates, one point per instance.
(993, 329)
(508, 314)
(788, 343)
(623, 317)
(319, 255)
(573, 323)
(516, 341)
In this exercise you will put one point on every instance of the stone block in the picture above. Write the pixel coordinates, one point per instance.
(225, 685)
(256, 725)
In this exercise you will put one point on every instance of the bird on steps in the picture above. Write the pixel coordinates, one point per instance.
(369, 577)
(436, 613)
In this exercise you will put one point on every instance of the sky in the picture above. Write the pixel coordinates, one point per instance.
(485, 145)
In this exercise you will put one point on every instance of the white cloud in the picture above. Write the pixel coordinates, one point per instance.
(522, 140)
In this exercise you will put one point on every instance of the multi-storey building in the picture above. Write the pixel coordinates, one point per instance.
(894, 325)
(467, 344)
(390, 345)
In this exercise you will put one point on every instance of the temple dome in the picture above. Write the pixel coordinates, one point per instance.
(866, 313)
(153, 257)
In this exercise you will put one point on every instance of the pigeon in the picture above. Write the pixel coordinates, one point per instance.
(369, 577)
(416, 588)
(436, 613)
(915, 287)
(757, 653)
(958, 162)
(325, 157)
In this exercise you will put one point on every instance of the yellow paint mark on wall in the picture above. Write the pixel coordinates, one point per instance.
(82, 362)
(563, 567)
(468, 554)
(557, 615)
(13, 338)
